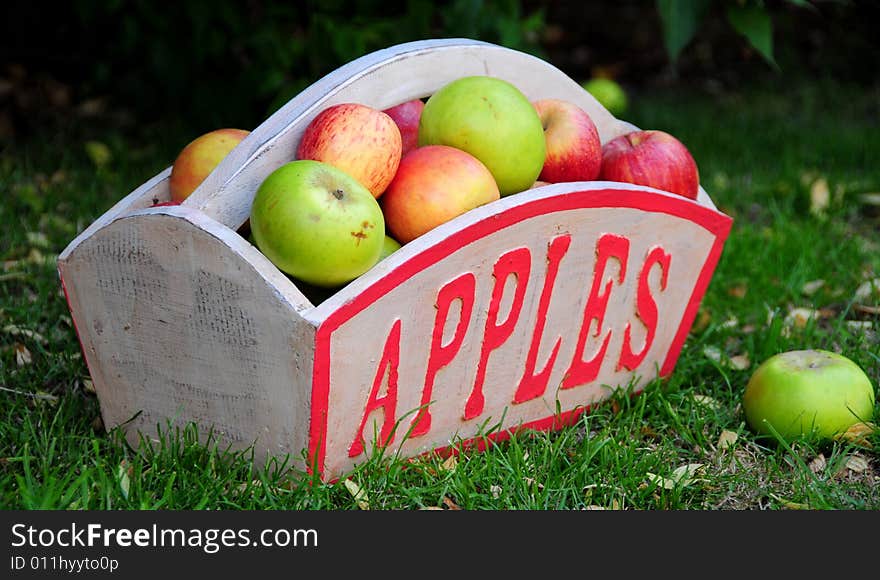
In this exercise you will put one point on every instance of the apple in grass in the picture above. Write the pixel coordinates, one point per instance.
(360, 140)
(492, 120)
(651, 158)
(807, 393)
(317, 223)
(574, 151)
(407, 115)
(434, 184)
(199, 158)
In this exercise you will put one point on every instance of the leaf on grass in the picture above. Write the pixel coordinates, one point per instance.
(707, 401)
(88, 386)
(817, 465)
(359, 495)
(738, 291)
(681, 477)
(859, 325)
(495, 490)
(740, 362)
(857, 463)
(122, 475)
(868, 292)
(858, 434)
(820, 197)
(593, 507)
(726, 439)
(800, 317)
(22, 355)
(533, 481)
(713, 353)
(431, 508)
(13, 330)
(450, 463)
(447, 501)
(812, 287)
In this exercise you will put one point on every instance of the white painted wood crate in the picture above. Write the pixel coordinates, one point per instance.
(520, 313)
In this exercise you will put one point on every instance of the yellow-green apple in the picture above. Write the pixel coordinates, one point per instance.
(609, 93)
(805, 393)
(360, 140)
(389, 247)
(434, 184)
(574, 151)
(317, 223)
(199, 158)
(652, 158)
(407, 115)
(492, 120)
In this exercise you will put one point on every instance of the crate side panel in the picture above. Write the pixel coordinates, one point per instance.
(177, 328)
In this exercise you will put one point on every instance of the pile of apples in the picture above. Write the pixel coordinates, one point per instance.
(364, 181)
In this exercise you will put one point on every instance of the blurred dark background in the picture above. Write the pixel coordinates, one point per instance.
(204, 64)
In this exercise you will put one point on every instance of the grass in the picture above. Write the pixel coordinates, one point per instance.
(767, 156)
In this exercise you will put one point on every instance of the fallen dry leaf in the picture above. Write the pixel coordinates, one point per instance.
(495, 490)
(740, 362)
(858, 434)
(857, 463)
(820, 197)
(681, 477)
(359, 495)
(447, 501)
(450, 463)
(812, 287)
(817, 465)
(790, 504)
(800, 317)
(13, 330)
(726, 439)
(868, 292)
(707, 401)
(22, 355)
(738, 291)
(123, 475)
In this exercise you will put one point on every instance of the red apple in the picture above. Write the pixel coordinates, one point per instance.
(360, 140)
(199, 158)
(574, 151)
(407, 116)
(434, 184)
(651, 158)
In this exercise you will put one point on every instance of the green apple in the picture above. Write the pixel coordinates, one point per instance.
(807, 393)
(317, 223)
(492, 120)
(389, 246)
(609, 94)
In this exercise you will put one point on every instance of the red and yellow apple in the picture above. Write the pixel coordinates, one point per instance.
(651, 158)
(199, 158)
(360, 140)
(803, 393)
(434, 184)
(574, 151)
(492, 120)
(407, 115)
(317, 223)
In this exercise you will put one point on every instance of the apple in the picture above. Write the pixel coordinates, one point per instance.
(652, 158)
(609, 94)
(492, 120)
(199, 158)
(407, 115)
(802, 393)
(434, 184)
(389, 246)
(317, 223)
(360, 140)
(574, 151)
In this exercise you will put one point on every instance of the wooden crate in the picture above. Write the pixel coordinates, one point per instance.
(519, 314)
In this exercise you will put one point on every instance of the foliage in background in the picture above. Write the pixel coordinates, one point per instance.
(249, 58)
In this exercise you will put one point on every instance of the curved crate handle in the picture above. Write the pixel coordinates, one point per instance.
(380, 79)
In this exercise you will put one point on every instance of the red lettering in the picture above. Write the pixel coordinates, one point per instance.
(646, 309)
(388, 365)
(580, 371)
(533, 385)
(518, 263)
(462, 289)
